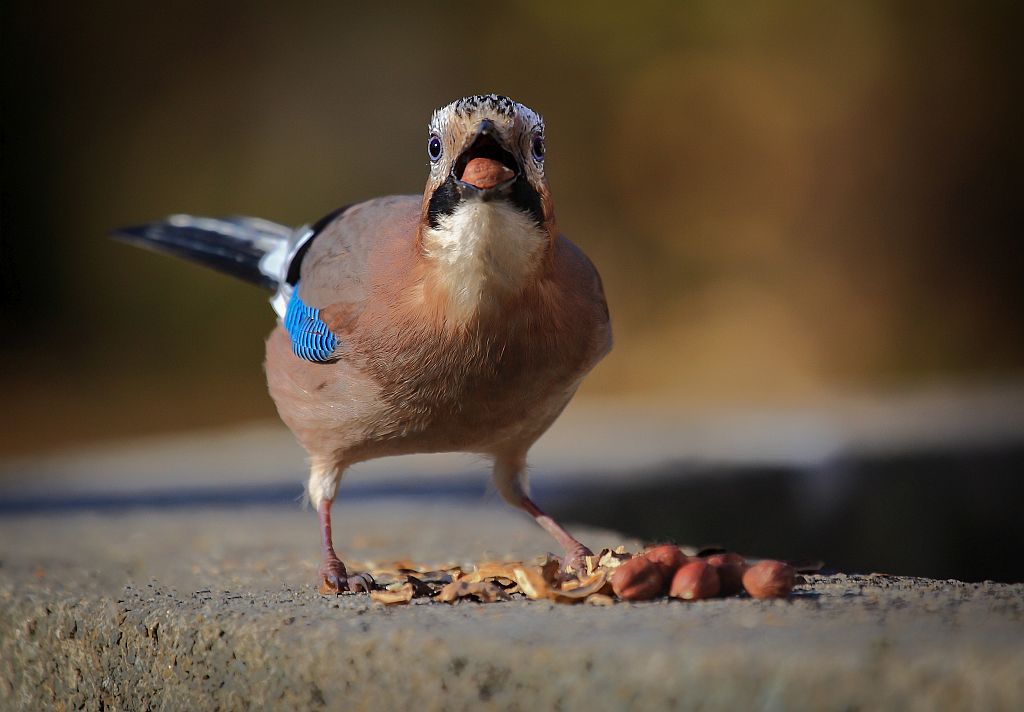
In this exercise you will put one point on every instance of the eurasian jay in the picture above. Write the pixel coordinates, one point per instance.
(459, 321)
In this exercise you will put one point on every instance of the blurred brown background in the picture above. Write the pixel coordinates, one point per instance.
(786, 200)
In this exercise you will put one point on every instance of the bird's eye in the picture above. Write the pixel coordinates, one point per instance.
(538, 148)
(434, 148)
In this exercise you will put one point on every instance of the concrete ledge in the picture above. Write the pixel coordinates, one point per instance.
(231, 622)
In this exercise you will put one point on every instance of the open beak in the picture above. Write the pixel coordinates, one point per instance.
(485, 169)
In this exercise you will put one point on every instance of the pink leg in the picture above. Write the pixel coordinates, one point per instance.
(332, 574)
(575, 552)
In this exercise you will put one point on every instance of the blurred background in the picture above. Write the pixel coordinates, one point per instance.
(807, 217)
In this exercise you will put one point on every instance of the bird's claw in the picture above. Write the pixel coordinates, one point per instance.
(361, 583)
(334, 579)
(576, 559)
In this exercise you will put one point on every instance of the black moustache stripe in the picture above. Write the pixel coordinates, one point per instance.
(443, 202)
(524, 197)
(446, 198)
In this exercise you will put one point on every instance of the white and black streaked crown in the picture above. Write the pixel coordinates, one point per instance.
(495, 103)
(490, 104)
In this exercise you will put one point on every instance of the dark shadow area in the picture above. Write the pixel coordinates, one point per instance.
(286, 493)
(941, 515)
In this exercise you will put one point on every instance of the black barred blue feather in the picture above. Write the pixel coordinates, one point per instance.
(310, 337)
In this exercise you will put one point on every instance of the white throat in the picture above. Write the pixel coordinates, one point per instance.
(483, 251)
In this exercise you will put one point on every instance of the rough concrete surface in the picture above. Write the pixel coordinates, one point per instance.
(215, 609)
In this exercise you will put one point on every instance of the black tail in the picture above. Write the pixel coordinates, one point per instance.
(248, 248)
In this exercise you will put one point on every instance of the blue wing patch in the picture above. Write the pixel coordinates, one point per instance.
(311, 339)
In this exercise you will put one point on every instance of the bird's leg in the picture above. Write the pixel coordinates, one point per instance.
(575, 552)
(333, 577)
(333, 574)
(510, 478)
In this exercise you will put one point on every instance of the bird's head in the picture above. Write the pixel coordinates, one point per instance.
(487, 148)
(487, 219)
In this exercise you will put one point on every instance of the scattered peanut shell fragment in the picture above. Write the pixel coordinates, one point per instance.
(667, 557)
(573, 591)
(695, 581)
(390, 597)
(769, 579)
(483, 591)
(730, 568)
(638, 580)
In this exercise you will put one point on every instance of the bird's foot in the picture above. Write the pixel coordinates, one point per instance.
(334, 579)
(576, 558)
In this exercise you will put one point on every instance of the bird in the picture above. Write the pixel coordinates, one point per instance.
(459, 320)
